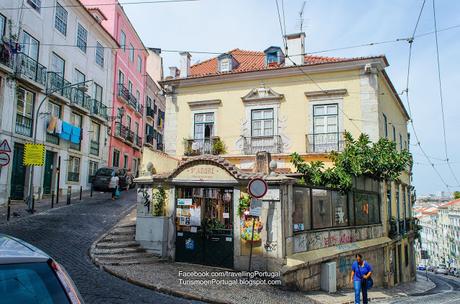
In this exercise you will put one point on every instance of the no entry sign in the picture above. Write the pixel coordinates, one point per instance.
(4, 159)
(257, 188)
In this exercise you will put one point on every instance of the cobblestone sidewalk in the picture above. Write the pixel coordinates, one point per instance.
(19, 208)
(217, 285)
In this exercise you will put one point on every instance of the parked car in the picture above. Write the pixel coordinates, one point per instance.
(452, 271)
(431, 268)
(28, 275)
(103, 175)
(441, 269)
(421, 267)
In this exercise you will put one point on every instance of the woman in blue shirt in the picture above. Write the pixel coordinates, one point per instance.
(360, 272)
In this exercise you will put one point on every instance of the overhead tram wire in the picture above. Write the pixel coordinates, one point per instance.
(281, 26)
(441, 99)
(103, 4)
(410, 41)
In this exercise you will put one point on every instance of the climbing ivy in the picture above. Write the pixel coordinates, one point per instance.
(380, 161)
(159, 198)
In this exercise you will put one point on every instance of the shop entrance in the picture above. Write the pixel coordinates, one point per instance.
(18, 176)
(204, 226)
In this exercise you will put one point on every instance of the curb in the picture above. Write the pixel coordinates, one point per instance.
(158, 288)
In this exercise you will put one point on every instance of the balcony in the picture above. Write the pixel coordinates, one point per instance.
(75, 146)
(94, 147)
(124, 133)
(99, 109)
(160, 147)
(150, 113)
(80, 99)
(52, 138)
(271, 144)
(56, 82)
(324, 142)
(29, 68)
(201, 146)
(129, 98)
(149, 140)
(137, 140)
(23, 125)
(6, 58)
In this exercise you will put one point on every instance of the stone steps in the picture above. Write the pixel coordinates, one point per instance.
(119, 238)
(149, 260)
(122, 250)
(123, 231)
(112, 245)
(124, 256)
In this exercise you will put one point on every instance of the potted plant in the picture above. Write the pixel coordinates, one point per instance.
(218, 146)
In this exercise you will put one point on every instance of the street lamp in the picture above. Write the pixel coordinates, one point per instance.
(81, 86)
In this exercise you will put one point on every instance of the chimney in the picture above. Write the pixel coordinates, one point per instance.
(174, 72)
(263, 160)
(185, 59)
(295, 49)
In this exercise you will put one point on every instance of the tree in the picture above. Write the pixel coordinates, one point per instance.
(456, 194)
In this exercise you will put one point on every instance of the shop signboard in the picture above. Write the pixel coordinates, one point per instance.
(184, 201)
(255, 208)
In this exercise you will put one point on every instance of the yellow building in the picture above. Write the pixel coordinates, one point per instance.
(244, 102)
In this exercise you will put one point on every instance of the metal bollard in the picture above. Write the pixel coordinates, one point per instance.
(33, 204)
(91, 192)
(69, 193)
(8, 212)
(52, 199)
(57, 196)
(81, 190)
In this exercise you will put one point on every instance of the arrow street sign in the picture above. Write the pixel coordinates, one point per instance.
(4, 159)
(4, 146)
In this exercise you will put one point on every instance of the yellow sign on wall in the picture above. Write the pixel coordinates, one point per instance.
(34, 154)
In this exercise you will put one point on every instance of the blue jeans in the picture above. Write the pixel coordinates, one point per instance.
(360, 286)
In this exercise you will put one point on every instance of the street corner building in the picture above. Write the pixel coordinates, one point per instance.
(239, 116)
(56, 95)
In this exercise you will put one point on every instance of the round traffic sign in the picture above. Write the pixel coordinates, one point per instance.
(257, 188)
(4, 159)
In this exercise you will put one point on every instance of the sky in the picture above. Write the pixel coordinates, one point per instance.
(222, 25)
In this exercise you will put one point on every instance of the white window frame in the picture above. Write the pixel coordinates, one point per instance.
(84, 44)
(262, 128)
(321, 102)
(2, 25)
(71, 166)
(225, 65)
(60, 19)
(131, 52)
(27, 94)
(123, 40)
(139, 64)
(260, 105)
(99, 54)
(35, 4)
(113, 157)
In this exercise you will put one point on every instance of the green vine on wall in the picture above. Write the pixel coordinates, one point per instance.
(159, 199)
(380, 161)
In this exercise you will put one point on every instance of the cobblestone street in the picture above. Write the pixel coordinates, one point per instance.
(66, 233)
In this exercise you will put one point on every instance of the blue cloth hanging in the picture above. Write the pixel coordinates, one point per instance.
(75, 137)
(66, 131)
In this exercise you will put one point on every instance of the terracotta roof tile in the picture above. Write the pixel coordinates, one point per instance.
(254, 61)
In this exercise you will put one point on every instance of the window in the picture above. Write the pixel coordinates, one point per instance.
(30, 46)
(79, 77)
(95, 131)
(138, 96)
(272, 57)
(54, 110)
(2, 25)
(325, 128)
(301, 216)
(404, 193)
(57, 64)
(128, 122)
(394, 134)
(82, 37)
(136, 128)
(262, 122)
(73, 173)
(123, 40)
(203, 125)
(339, 209)
(398, 200)
(79, 95)
(400, 142)
(406, 254)
(125, 161)
(139, 64)
(225, 65)
(116, 158)
(366, 208)
(35, 4)
(385, 125)
(131, 52)
(24, 111)
(98, 92)
(130, 86)
(60, 19)
(92, 169)
(321, 200)
(76, 120)
(121, 77)
(99, 54)
(388, 186)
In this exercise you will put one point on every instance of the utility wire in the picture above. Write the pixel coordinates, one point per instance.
(441, 100)
(101, 4)
(281, 25)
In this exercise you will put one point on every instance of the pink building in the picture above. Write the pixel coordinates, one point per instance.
(127, 127)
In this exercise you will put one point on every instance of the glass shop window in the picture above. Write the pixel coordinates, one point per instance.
(301, 215)
(366, 209)
(340, 209)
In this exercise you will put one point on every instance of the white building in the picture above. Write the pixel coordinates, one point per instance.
(61, 43)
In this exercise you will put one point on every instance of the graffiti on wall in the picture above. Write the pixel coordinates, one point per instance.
(332, 240)
(144, 197)
(345, 263)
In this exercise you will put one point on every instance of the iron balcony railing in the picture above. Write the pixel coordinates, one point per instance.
(94, 147)
(81, 99)
(150, 112)
(6, 57)
(73, 176)
(30, 68)
(56, 83)
(52, 138)
(75, 146)
(160, 146)
(23, 125)
(324, 142)
(198, 146)
(138, 140)
(272, 144)
(124, 93)
(124, 133)
(99, 109)
(149, 140)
